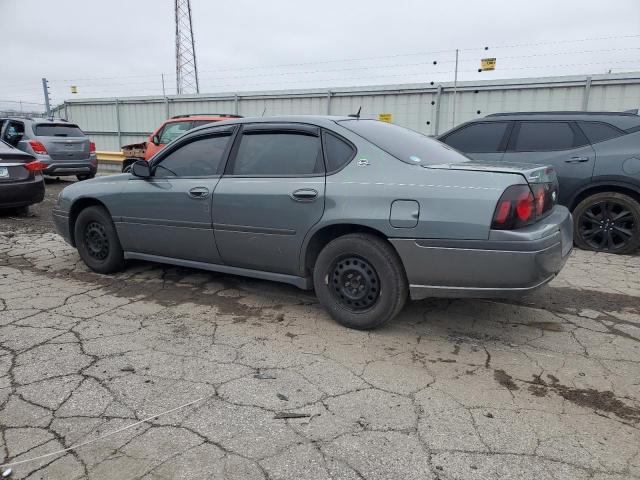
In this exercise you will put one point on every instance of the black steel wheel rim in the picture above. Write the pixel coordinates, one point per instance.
(607, 226)
(96, 241)
(354, 283)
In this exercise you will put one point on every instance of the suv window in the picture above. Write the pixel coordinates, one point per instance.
(598, 131)
(173, 130)
(278, 154)
(337, 152)
(198, 158)
(199, 123)
(58, 130)
(485, 137)
(404, 144)
(14, 132)
(543, 136)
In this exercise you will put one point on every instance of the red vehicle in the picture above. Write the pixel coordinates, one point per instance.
(167, 132)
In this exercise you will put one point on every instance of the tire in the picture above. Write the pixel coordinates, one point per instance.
(22, 211)
(380, 288)
(85, 177)
(607, 222)
(97, 240)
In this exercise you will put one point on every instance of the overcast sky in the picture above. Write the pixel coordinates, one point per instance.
(121, 47)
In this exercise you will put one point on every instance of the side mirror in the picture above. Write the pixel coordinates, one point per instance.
(141, 169)
(155, 140)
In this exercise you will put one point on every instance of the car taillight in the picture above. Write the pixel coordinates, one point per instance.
(37, 147)
(92, 147)
(517, 208)
(35, 166)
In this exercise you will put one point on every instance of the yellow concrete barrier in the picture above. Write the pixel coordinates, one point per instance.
(110, 157)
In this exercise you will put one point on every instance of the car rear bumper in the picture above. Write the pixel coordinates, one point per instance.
(59, 168)
(509, 264)
(20, 194)
(61, 221)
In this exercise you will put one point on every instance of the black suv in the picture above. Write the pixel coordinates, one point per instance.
(595, 154)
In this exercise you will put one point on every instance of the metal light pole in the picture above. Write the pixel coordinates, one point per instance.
(45, 90)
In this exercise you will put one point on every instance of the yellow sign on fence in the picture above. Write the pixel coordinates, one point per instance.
(488, 64)
(74, 89)
(385, 117)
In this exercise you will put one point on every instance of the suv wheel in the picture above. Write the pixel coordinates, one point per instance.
(607, 222)
(97, 241)
(85, 177)
(360, 280)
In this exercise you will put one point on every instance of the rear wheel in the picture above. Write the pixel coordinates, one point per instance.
(360, 281)
(85, 177)
(97, 240)
(607, 222)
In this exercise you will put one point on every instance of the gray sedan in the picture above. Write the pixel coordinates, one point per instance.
(364, 212)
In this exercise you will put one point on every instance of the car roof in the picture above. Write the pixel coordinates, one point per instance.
(622, 120)
(318, 120)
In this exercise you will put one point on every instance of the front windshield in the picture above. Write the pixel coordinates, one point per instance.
(404, 144)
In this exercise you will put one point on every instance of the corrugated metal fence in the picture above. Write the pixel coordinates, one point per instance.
(428, 108)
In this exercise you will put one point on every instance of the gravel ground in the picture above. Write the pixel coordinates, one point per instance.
(169, 373)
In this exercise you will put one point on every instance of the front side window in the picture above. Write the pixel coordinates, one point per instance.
(278, 154)
(483, 137)
(58, 130)
(173, 130)
(543, 136)
(598, 131)
(199, 158)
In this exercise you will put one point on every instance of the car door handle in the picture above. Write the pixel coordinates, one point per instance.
(304, 195)
(577, 159)
(199, 192)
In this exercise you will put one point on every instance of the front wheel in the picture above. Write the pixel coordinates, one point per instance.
(360, 281)
(607, 222)
(97, 240)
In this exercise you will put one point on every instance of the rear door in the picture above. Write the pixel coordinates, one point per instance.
(169, 214)
(271, 195)
(485, 141)
(63, 141)
(560, 144)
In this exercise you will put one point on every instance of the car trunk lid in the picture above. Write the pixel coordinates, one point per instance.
(63, 141)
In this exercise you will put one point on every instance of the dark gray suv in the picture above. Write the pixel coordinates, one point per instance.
(60, 145)
(596, 156)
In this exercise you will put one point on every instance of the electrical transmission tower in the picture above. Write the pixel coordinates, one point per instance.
(186, 66)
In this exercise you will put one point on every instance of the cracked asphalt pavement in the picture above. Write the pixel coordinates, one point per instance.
(169, 373)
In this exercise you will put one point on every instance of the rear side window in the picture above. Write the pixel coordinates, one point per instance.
(598, 131)
(278, 154)
(337, 152)
(199, 158)
(173, 130)
(483, 137)
(199, 123)
(543, 136)
(58, 130)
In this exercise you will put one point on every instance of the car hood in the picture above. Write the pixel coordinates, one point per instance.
(532, 172)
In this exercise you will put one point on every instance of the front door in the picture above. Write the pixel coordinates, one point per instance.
(271, 195)
(169, 214)
(558, 144)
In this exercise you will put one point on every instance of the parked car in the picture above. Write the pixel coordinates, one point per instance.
(363, 211)
(595, 154)
(168, 132)
(21, 181)
(61, 146)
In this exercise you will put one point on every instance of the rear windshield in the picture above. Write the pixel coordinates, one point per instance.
(404, 144)
(58, 130)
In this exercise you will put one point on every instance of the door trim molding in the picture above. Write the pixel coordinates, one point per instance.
(251, 229)
(165, 222)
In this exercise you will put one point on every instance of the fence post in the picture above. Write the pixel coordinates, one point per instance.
(166, 107)
(118, 123)
(236, 107)
(329, 102)
(585, 95)
(436, 127)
